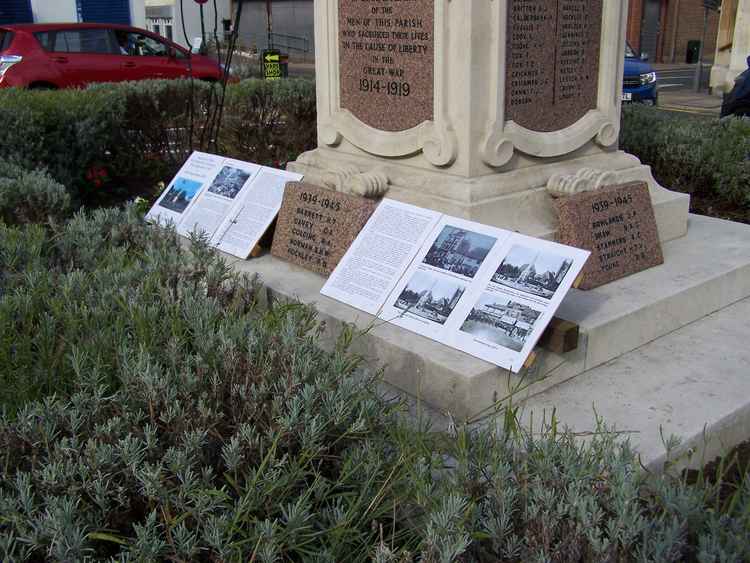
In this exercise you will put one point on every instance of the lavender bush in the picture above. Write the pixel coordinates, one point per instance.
(157, 407)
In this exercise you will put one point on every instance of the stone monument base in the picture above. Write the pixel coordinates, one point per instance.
(516, 200)
(706, 271)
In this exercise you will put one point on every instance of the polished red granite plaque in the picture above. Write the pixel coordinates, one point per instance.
(617, 225)
(386, 61)
(317, 225)
(552, 62)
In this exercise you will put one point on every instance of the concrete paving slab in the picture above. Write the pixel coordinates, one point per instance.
(693, 383)
(688, 101)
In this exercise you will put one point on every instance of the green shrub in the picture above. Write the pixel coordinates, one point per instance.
(85, 287)
(186, 422)
(66, 132)
(690, 153)
(30, 197)
(284, 456)
(153, 410)
(515, 495)
(248, 440)
(275, 121)
(121, 139)
(153, 134)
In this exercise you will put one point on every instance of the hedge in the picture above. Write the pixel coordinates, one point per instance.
(692, 154)
(156, 408)
(64, 132)
(122, 139)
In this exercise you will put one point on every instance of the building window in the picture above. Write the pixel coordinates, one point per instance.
(157, 29)
(168, 29)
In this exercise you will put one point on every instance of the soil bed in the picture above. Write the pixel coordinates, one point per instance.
(707, 205)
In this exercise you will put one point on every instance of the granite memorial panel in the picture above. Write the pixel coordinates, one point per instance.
(552, 62)
(386, 61)
(317, 225)
(617, 225)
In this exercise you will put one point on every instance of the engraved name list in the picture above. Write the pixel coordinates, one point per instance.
(617, 225)
(552, 64)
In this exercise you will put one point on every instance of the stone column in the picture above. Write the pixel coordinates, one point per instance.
(471, 106)
(732, 45)
(741, 40)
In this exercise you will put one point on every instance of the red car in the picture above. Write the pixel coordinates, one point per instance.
(72, 55)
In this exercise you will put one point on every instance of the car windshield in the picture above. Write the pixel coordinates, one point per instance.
(629, 53)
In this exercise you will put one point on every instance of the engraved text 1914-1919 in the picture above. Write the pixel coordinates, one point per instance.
(386, 58)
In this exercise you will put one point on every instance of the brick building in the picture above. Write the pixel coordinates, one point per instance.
(670, 31)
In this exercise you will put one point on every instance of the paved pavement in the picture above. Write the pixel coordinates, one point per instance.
(676, 90)
(680, 76)
(687, 101)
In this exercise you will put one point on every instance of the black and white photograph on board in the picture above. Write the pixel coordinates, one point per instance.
(229, 182)
(430, 296)
(459, 250)
(532, 271)
(495, 318)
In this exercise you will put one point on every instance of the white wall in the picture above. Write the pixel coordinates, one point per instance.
(53, 11)
(193, 21)
(138, 13)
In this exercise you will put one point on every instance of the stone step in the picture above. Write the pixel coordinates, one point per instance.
(693, 384)
(704, 271)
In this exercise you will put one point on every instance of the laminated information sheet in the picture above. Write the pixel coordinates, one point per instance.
(256, 209)
(483, 290)
(184, 189)
(229, 201)
(377, 258)
(214, 203)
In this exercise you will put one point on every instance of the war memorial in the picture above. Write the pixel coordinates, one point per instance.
(506, 114)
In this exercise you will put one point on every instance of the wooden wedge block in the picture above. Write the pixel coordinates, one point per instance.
(530, 360)
(560, 337)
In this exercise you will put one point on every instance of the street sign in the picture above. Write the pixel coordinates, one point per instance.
(270, 63)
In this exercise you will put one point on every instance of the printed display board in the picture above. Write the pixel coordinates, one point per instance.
(617, 225)
(552, 62)
(386, 61)
(476, 288)
(479, 289)
(229, 201)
